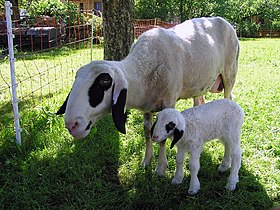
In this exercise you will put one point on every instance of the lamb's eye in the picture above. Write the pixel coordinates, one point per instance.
(170, 126)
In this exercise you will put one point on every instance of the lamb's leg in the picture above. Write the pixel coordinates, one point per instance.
(235, 166)
(162, 160)
(198, 101)
(180, 159)
(149, 153)
(194, 166)
(226, 160)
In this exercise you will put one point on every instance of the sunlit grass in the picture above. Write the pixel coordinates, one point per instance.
(52, 170)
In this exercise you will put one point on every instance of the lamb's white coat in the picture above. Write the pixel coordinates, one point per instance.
(221, 119)
(163, 66)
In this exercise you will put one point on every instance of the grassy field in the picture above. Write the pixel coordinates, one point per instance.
(53, 171)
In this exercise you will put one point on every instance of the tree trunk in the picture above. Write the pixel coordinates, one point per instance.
(118, 27)
(15, 9)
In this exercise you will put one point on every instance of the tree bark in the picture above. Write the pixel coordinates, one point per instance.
(15, 8)
(118, 28)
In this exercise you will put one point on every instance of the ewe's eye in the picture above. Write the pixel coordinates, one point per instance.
(105, 81)
(170, 126)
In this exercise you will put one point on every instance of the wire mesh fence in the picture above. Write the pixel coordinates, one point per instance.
(48, 53)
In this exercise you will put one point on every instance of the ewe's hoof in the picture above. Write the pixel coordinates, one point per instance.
(160, 172)
(144, 163)
(176, 181)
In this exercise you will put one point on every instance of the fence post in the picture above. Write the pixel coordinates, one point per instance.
(10, 35)
(92, 30)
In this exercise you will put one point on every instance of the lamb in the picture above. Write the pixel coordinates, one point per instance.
(221, 119)
(163, 66)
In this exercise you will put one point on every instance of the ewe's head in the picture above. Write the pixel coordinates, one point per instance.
(98, 89)
(169, 122)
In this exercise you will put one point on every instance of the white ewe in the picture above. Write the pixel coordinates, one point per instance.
(163, 66)
(190, 129)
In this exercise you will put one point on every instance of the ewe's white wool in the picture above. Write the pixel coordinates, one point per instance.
(163, 66)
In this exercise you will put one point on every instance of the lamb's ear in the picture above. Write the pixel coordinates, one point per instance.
(152, 128)
(63, 107)
(119, 101)
(176, 137)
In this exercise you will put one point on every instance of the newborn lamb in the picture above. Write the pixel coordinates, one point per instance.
(221, 119)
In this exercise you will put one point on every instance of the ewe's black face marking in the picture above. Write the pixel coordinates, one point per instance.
(170, 126)
(96, 92)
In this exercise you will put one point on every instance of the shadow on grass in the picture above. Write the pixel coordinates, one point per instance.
(74, 174)
(152, 192)
(54, 171)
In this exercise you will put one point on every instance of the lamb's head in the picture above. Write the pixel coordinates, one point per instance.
(169, 122)
(99, 88)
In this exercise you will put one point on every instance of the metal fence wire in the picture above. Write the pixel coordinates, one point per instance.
(41, 61)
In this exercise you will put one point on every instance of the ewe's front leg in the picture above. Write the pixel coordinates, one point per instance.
(149, 153)
(162, 160)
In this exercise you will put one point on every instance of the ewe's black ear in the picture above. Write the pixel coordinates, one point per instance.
(118, 111)
(119, 100)
(176, 137)
(63, 107)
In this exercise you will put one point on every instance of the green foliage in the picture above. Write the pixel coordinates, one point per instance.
(55, 8)
(52, 8)
(248, 29)
(235, 11)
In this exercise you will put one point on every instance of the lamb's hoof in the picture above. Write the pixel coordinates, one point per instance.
(222, 169)
(230, 187)
(194, 189)
(192, 192)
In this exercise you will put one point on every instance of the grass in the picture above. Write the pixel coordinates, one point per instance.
(53, 171)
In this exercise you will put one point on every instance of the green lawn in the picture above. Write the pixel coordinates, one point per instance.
(53, 171)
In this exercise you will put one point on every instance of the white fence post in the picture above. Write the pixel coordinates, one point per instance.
(10, 35)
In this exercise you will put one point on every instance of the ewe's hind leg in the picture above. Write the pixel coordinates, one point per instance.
(198, 101)
(149, 153)
(226, 160)
(162, 160)
(194, 166)
(235, 166)
(180, 159)
(229, 80)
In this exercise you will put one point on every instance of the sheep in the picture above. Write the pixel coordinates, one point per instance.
(221, 119)
(163, 66)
